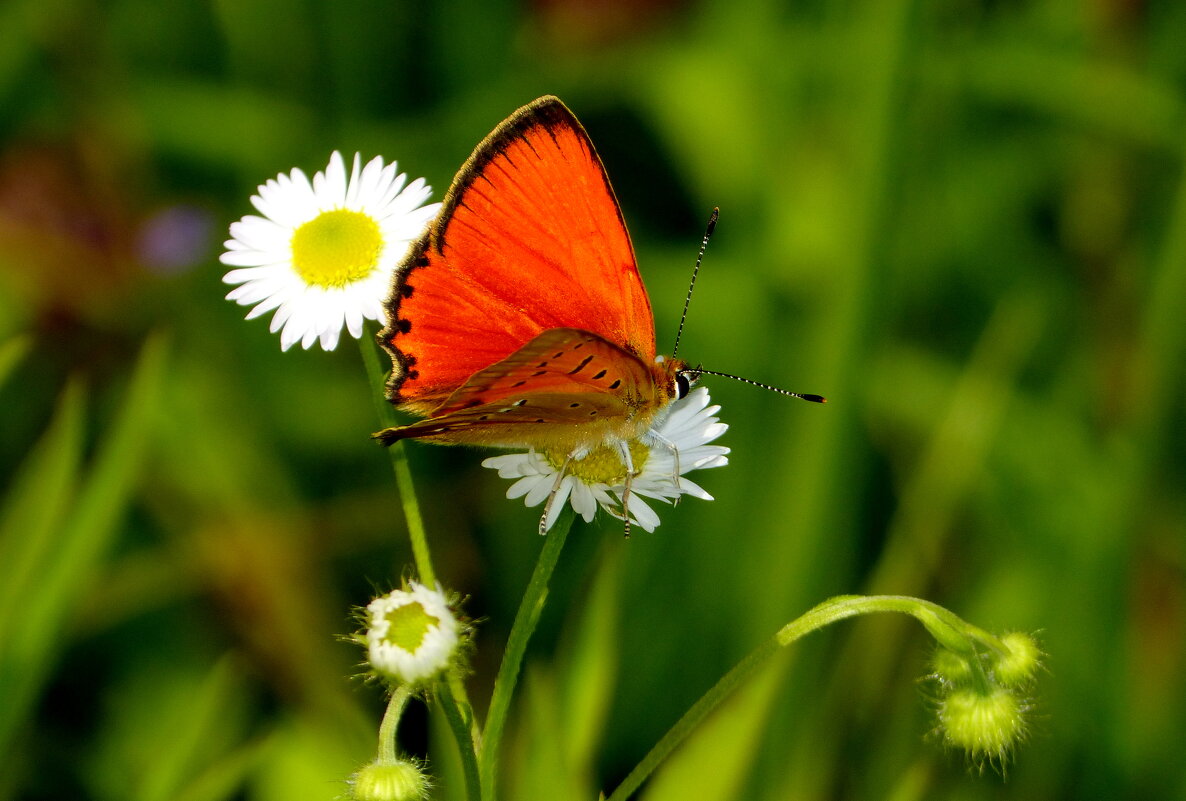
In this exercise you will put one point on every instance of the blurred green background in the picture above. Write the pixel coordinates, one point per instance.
(964, 222)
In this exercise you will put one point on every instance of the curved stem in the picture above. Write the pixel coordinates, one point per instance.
(949, 630)
(395, 709)
(508, 672)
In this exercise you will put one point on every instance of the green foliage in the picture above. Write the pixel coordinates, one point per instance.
(964, 223)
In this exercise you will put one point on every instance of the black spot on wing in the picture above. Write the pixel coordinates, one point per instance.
(617, 383)
(584, 363)
(600, 375)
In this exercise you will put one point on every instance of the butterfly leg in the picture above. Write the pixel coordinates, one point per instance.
(560, 474)
(628, 461)
(659, 439)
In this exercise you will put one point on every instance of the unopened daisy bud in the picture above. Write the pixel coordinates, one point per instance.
(412, 635)
(1017, 667)
(986, 725)
(398, 781)
(949, 667)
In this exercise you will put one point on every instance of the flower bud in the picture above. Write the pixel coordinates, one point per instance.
(949, 667)
(412, 635)
(398, 781)
(986, 725)
(1017, 668)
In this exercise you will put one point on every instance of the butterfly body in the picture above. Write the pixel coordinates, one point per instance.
(520, 319)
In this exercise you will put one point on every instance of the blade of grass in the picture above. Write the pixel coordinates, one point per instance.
(589, 674)
(225, 778)
(11, 353)
(34, 508)
(508, 672)
(82, 539)
(173, 765)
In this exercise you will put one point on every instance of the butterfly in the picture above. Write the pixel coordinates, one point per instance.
(519, 319)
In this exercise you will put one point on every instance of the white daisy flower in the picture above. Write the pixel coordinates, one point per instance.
(412, 634)
(599, 477)
(323, 252)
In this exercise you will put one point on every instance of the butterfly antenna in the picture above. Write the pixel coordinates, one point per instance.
(700, 371)
(712, 224)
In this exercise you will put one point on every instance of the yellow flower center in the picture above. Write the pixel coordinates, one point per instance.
(407, 625)
(603, 464)
(336, 248)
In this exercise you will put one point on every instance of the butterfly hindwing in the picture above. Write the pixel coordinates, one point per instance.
(558, 361)
(542, 421)
(564, 387)
(530, 238)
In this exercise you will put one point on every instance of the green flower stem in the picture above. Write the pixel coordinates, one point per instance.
(399, 460)
(508, 672)
(949, 630)
(452, 695)
(395, 709)
(464, 734)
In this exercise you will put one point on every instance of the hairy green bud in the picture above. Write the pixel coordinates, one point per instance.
(398, 781)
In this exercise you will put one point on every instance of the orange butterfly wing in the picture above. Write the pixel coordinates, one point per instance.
(530, 238)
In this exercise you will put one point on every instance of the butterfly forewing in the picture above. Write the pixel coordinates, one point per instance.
(530, 238)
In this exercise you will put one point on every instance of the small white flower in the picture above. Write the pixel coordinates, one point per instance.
(411, 634)
(323, 252)
(598, 478)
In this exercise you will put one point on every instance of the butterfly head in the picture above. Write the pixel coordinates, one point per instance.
(678, 377)
(685, 379)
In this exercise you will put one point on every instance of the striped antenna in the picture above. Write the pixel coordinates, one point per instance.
(712, 224)
(699, 371)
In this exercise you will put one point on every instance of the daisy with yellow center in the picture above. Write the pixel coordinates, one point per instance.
(322, 254)
(598, 478)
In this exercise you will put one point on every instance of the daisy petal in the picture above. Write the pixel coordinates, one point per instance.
(688, 426)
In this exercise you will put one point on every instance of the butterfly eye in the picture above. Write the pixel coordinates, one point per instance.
(683, 385)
